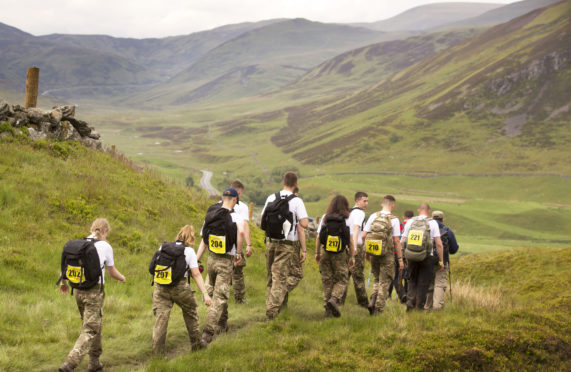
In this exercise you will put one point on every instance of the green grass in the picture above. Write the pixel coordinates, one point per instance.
(510, 308)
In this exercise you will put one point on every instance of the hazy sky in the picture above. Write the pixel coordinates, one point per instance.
(159, 18)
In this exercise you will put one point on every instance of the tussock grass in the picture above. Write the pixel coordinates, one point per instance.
(467, 295)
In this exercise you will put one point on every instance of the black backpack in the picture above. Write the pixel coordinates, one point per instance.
(445, 242)
(80, 264)
(335, 235)
(275, 215)
(219, 232)
(168, 265)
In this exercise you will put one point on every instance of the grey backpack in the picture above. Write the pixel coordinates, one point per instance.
(418, 243)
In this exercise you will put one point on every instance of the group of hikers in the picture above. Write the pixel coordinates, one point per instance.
(411, 258)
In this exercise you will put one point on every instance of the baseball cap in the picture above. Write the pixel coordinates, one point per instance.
(230, 192)
(438, 214)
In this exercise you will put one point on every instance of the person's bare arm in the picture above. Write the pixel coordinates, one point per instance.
(317, 249)
(239, 242)
(201, 249)
(439, 251)
(398, 246)
(115, 274)
(301, 234)
(197, 276)
(304, 222)
(247, 238)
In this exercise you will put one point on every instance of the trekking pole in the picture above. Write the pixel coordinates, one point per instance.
(450, 280)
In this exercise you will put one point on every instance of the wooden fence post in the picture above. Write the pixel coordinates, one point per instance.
(250, 211)
(32, 83)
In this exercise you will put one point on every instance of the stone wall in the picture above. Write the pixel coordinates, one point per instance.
(58, 123)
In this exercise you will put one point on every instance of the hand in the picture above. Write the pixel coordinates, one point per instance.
(441, 264)
(249, 251)
(237, 259)
(63, 289)
(368, 258)
(123, 279)
(302, 259)
(352, 262)
(207, 300)
(317, 258)
(401, 265)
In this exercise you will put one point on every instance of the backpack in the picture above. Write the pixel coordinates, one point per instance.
(168, 264)
(275, 216)
(219, 232)
(418, 244)
(335, 235)
(362, 223)
(379, 240)
(80, 264)
(445, 241)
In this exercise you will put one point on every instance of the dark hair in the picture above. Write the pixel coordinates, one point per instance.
(360, 194)
(237, 185)
(409, 214)
(290, 179)
(338, 206)
(389, 198)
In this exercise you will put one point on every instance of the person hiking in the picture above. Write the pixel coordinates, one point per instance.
(400, 282)
(90, 303)
(437, 288)
(420, 234)
(335, 253)
(282, 213)
(171, 286)
(357, 221)
(298, 258)
(382, 233)
(238, 274)
(222, 234)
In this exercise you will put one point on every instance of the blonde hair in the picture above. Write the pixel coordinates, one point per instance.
(186, 235)
(99, 226)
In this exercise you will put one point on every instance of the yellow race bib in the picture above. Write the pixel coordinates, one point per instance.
(217, 244)
(74, 274)
(333, 244)
(415, 237)
(163, 275)
(374, 247)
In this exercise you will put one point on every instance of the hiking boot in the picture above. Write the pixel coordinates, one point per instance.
(206, 338)
(328, 313)
(241, 301)
(333, 307)
(66, 367)
(94, 365)
(371, 305)
(222, 328)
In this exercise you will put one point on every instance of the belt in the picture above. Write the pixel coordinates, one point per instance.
(286, 242)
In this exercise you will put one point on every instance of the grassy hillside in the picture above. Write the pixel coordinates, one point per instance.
(501, 14)
(50, 192)
(451, 103)
(279, 52)
(425, 17)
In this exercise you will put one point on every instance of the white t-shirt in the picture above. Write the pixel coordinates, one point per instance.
(105, 252)
(243, 209)
(189, 257)
(296, 207)
(434, 230)
(357, 217)
(394, 222)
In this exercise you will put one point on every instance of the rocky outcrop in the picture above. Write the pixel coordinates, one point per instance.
(554, 61)
(58, 123)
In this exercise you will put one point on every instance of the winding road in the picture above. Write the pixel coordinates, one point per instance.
(205, 183)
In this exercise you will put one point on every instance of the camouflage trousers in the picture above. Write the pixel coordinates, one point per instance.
(218, 286)
(437, 289)
(278, 261)
(163, 299)
(295, 268)
(90, 305)
(238, 280)
(358, 275)
(334, 269)
(383, 269)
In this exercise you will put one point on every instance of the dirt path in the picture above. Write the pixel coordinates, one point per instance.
(205, 183)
